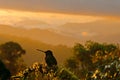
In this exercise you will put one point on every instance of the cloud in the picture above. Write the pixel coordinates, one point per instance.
(100, 7)
(41, 19)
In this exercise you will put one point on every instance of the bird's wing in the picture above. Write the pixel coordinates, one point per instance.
(50, 60)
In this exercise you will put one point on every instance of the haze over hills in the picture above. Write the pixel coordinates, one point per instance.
(31, 39)
(100, 31)
(46, 36)
(59, 38)
(69, 33)
(32, 55)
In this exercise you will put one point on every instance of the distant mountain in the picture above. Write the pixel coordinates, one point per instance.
(56, 40)
(43, 35)
(100, 31)
(61, 52)
(31, 39)
(98, 26)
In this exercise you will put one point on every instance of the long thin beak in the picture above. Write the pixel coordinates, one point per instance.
(40, 50)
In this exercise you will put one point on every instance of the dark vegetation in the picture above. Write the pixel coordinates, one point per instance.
(91, 61)
(10, 54)
(4, 72)
(95, 61)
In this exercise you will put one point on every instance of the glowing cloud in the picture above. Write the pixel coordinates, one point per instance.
(12, 17)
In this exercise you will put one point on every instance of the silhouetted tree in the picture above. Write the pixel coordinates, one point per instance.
(10, 54)
(109, 70)
(4, 72)
(90, 56)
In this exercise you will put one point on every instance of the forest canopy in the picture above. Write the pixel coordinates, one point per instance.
(95, 61)
(10, 54)
(90, 61)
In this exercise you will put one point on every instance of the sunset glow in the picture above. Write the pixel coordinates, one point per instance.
(60, 39)
(15, 17)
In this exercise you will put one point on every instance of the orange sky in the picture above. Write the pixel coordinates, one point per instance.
(22, 18)
(92, 7)
(67, 21)
(82, 26)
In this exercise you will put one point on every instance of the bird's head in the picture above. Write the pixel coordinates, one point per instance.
(48, 52)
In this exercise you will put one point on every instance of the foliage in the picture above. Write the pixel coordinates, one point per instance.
(92, 61)
(10, 54)
(109, 70)
(66, 74)
(90, 57)
(33, 73)
(71, 62)
(4, 72)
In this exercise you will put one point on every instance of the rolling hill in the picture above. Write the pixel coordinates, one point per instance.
(100, 31)
(47, 36)
(30, 44)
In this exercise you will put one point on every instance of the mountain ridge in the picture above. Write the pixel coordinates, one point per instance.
(32, 55)
(46, 36)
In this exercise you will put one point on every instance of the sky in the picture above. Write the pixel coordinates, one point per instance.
(74, 18)
(77, 20)
(56, 12)
(43, 20)
(96, 7)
